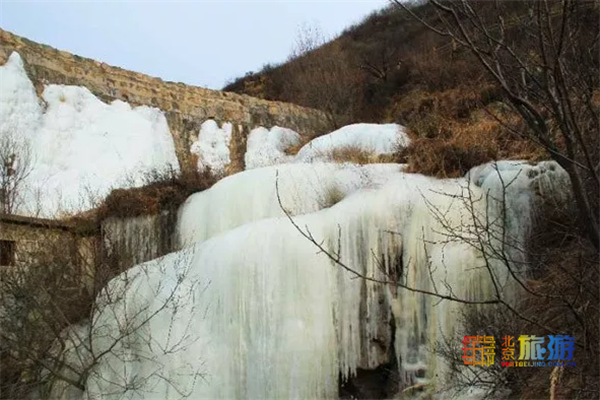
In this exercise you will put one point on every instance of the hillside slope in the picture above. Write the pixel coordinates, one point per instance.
(391, 68)
(388, 56)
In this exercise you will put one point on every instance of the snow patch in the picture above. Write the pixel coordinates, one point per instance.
(212, 146)
(81, 146)
(267, 147)
(372, 138)
(20, 109)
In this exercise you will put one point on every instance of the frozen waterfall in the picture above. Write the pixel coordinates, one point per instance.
(249, 308)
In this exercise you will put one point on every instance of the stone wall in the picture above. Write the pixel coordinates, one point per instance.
(38, 242)
(185, 107)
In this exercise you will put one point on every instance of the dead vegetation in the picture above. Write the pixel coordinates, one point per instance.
(333, 195)
(356, 155)
(447, 149)
(164, 190)
(51, 291)
(16, 164)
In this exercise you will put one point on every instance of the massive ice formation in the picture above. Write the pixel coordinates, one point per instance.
(80, 147)
(519, 186)
(251, 195)
(252, 309)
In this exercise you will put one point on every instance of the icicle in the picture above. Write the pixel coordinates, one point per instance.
(133, 240)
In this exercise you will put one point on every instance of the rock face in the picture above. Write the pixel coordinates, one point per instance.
(185, 107)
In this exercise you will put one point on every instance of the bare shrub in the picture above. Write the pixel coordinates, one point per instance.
(447, 158)
(164, 190)
(494, 379)
(565, 300)
(446, 148)
(50, 287)
(50, 297)
(333, 195)
(322, 78)
(16, 163)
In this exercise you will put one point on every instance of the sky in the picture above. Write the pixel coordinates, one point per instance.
(204, 43)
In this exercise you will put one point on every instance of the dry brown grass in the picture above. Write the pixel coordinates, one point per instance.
(293, 150)
(446, 158)
(354, 155)
(162, 192)
(333, 195)
(453, 103)
(460, 146)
